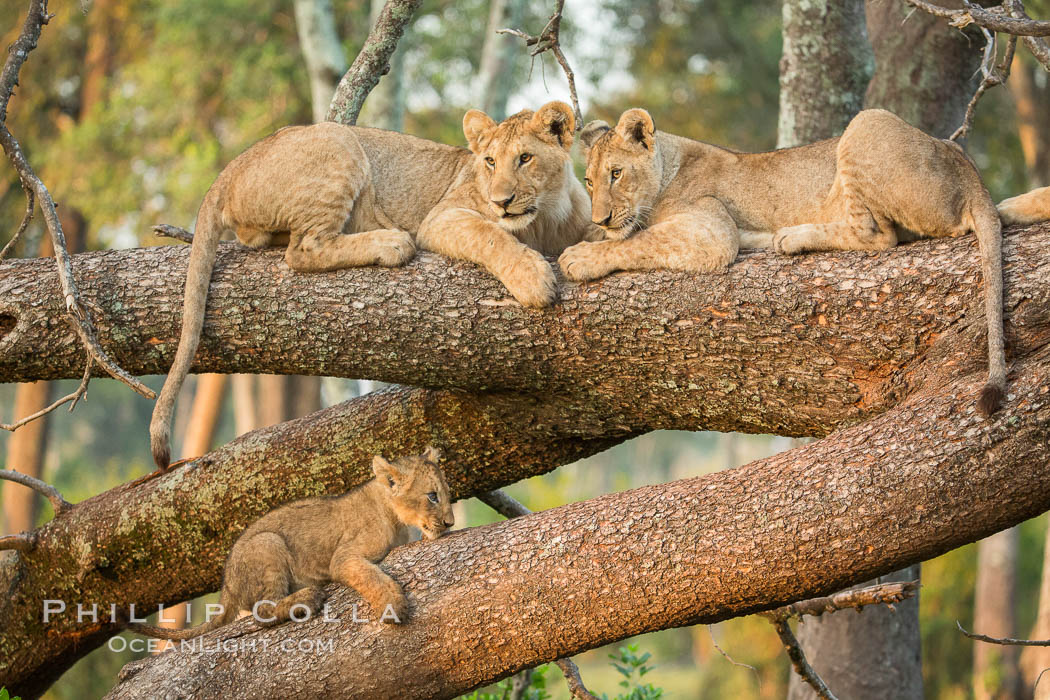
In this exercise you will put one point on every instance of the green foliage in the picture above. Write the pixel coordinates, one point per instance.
(4, 695)
(537, 689)
(632, 666)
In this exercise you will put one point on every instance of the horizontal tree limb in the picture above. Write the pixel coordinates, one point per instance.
(792, 346)
(905, 486)
(163, 538)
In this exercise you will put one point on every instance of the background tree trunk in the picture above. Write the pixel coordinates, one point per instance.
(824, 71)
(1035, 659)
(497, 57)
(995, 668)
(1032, 99)
(385, 107)
(325, 60)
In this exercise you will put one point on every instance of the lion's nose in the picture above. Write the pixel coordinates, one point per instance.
(449, 522)
(605, 221)
(503, 203)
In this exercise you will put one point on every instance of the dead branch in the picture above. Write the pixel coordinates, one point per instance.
(26, 541)
(885, 593)
(993, 75)
(997, 19)
(1005, 641)
(549, 39)
(168, 231)
(1038, 47)
(74, 397)
(509, 507)
(60, 504)
(26, 42)
(372, 62)
(798, 658)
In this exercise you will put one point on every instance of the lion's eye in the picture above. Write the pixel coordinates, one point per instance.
(490, 160)
(616, 172)
(525, 158)
(432, 497)
(587, 181)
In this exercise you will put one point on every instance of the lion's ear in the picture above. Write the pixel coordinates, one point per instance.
(386, 473)
(555, 122)
(591, 133)
(476, 126)
(636, 126)
(432, 454)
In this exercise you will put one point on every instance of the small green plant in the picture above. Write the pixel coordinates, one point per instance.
(537, 689)
(4, 695)
(630, 663)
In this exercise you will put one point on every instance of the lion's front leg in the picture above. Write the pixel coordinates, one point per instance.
(463, 234)
(704, 239)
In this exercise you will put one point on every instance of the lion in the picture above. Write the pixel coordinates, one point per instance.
(278, 567)
(669, 202)
(341, 196)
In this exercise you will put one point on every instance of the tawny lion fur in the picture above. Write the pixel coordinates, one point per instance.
(340, 196)
(691, 206)
(287, 556)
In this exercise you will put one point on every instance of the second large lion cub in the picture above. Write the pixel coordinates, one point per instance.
(691, 206)
(341, 196)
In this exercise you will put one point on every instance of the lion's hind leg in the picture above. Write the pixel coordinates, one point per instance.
(862, 230)
(320, 250)
(258, 575)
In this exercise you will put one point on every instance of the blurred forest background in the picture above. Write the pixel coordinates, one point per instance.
(129, 110)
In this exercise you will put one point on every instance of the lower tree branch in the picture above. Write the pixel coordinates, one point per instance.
(1006, 641)
(922, 479)
(58, 503)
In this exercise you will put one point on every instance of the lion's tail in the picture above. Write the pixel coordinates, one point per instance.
(156, 632)
(208, 230)
(986, 223)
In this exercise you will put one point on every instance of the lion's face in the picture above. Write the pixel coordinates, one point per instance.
(521, 163)
(622, 175)
(418, 491)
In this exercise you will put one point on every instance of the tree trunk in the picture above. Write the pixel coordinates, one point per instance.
(928, 88)
(495, 72)
(385, 107)
(490, 601)
(319, 41)
(824, 71)
(844, 338)
(1035, 659)
(995, 668)
(1033, 120)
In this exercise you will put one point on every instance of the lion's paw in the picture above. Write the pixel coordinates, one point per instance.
(531, 280)
(584, 261)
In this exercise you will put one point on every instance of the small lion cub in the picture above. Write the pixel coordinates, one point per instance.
(284, 559)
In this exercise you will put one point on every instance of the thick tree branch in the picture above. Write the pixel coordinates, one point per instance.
(775, 345)
(920, 480)
(372, 62)
(996, 19)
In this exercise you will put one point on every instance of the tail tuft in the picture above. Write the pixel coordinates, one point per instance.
(990, 399)
(160, 444)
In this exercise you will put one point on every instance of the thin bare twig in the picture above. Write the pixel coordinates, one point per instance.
(1005, 641)
(26, 42)
(30, 205)
(993, 75)
(509, 507)
(80, 392)
(997, 18)
(23, 542)
(549, 39)
(48, 491)
(883, 593)
(730, 659)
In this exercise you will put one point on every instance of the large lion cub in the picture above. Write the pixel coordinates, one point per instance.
(341, 196)
(691, 206)
(278, 567)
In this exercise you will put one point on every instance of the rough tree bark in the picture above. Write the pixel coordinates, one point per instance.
(385, 107)
(796, 346)
(824, 70)
(907, 485)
